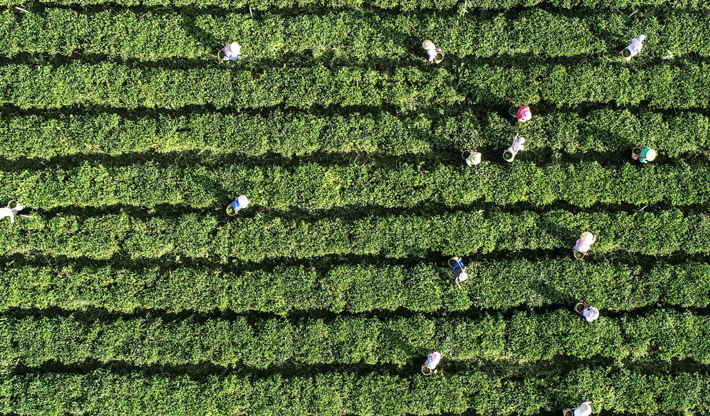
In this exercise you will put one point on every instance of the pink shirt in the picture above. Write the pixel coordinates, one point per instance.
(581, 246)
(516, 146)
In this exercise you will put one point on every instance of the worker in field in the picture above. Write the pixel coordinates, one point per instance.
(12, 208)
(473, 158)
(643, 155)
(239, 204)
(521, 114)
(459, 270)
(582, 246)
(429, 367)
(634, 48)
(590, 313)
(509, 153)
(436, 55)
(585, 409)
(231, 52)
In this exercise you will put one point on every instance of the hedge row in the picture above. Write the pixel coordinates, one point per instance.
(394, 236)
(352, 34)
(340, 393)
(312, 187)
(295, 133)
(664, 85)
(386, 4)
(524, 338)
(354, 287)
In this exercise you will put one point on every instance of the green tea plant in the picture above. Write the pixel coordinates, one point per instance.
(422, 286)
(343, 392)
(350, 35)
(667, 85)
(392, 236)
(295, 133)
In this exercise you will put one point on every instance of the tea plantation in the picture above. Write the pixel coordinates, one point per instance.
(126, 289)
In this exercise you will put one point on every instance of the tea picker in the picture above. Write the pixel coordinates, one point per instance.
(12, 209)
(509, 153)
(231, 52)
(240, 203)
(521, 114)
(436, 55)
(590, 313)
(634, 48)
(459, 270)
(473, 158)
(585, 409)
(643, 155)
(582, 246)
(428, 368)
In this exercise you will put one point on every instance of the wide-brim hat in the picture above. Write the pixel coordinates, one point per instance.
(234, 47)
(243, 201)
(427, 44)
(650, 155)
(463, 276)
(585, 410)
(587, 237)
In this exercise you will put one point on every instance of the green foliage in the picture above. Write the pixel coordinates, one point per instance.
(343, 392)
(126, 138)
(666, 85)
(351, 35)
(394, 236)
(524, 338)
(312, 187)
(295, 133)
(405, 5)
(355, 288)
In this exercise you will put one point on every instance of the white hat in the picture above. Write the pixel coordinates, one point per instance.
(591, 314)
(650, 155)
(642, 37)
(587, 237)
(463, 276)
(521, 140)
(235, 48)
(427, 44)
(243, 201)
(583, 410)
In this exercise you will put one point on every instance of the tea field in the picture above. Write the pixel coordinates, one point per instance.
(130, 291)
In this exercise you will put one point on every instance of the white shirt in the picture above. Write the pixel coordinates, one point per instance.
(433, 360)
(7, 212)
(635, 47)
(432, 53)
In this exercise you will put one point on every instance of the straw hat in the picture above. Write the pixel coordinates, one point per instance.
(243, 201)
(587, 237)
(650, 155)
(427, 44)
